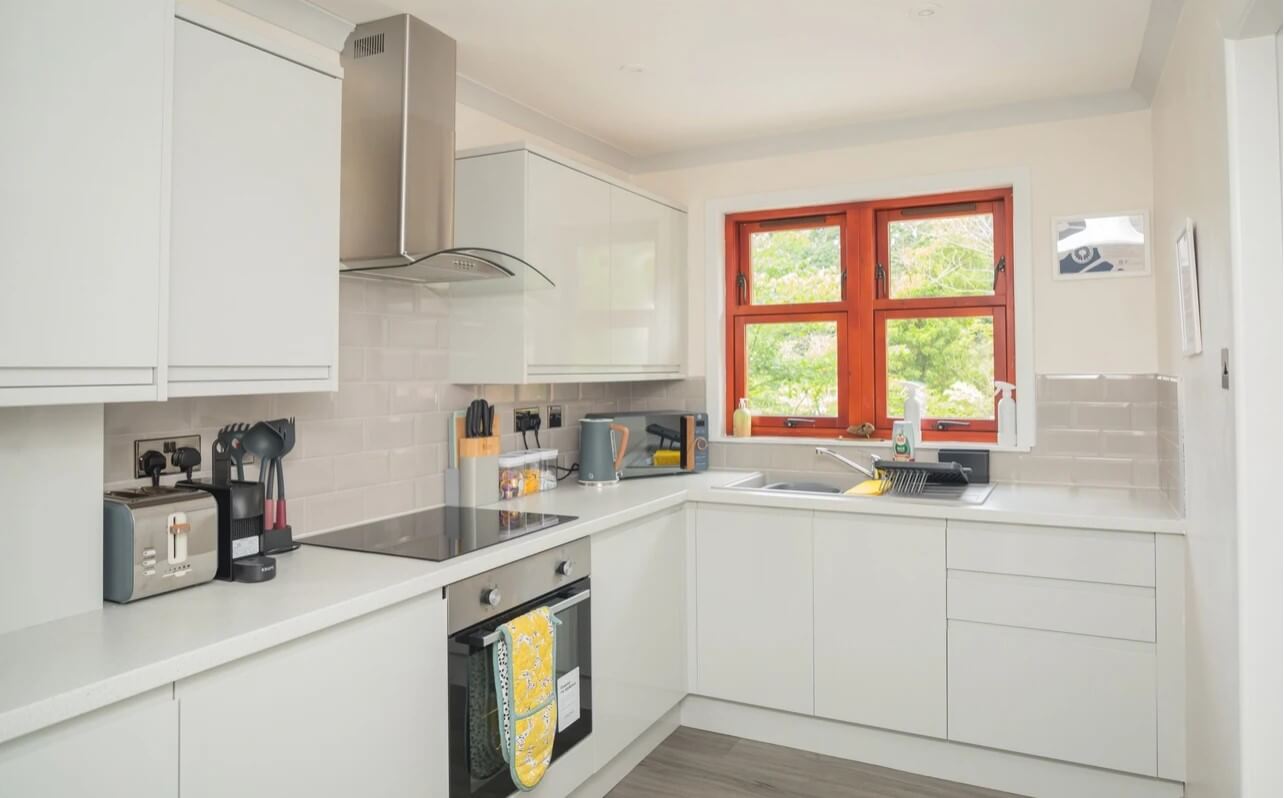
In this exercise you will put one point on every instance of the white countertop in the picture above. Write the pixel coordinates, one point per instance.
(61, 669)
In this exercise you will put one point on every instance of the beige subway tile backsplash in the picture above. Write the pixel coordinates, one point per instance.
(377, 446)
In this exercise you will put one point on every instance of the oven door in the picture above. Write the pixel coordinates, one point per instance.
(477, 767)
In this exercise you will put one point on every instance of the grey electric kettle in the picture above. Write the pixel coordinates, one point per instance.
(601, 458)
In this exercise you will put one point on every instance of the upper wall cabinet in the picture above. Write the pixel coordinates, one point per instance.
(254, 271)
(616, 256)
(82, 236)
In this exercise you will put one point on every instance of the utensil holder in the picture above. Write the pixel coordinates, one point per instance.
(479, 479)
(279, 540)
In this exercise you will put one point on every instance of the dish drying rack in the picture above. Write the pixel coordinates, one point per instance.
(916, 479)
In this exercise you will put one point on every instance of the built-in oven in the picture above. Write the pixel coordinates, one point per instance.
(663, 442)
(476, 608)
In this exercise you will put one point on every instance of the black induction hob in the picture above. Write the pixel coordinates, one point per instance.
(439, 533)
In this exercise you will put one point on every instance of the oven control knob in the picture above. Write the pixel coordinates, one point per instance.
(565, 568)
(491, 596)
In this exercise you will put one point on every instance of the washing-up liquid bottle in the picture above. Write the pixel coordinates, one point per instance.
(742, 421)
(915, 399)
(1006, 413)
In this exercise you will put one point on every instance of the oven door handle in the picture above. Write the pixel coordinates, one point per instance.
(486, 641)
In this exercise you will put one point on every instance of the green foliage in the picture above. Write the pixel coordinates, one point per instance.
(793, 368)
(952, 356)
(796, 266)
(951, 256)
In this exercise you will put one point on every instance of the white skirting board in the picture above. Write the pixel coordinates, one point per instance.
(967, 764)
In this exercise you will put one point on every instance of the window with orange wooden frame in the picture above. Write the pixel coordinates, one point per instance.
(832, 309)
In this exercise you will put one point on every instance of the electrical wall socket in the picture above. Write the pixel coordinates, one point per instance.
(525, 418)
(167, 447)
(554, 416)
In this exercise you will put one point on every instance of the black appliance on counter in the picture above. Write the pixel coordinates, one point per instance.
(240, 530)
(663, 442)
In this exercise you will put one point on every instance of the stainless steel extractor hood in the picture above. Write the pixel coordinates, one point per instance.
(397, 189)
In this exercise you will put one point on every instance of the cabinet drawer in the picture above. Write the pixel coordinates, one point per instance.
(1122, 558)
(1059, 605)
(1076, 698)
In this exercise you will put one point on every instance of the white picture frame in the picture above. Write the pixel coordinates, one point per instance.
(1101, 245)
(1192, 337)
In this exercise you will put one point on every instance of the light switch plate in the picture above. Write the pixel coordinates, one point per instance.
(167, 447)
(1225, 368)
(554, 416)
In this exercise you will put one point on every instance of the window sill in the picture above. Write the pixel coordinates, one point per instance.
(840, 443)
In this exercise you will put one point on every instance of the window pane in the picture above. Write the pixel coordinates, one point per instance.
(793, 368)
(947, 256)
(795, 266)
(952, 355)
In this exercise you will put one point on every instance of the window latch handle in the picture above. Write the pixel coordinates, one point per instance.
(999, 268)
(742, 287)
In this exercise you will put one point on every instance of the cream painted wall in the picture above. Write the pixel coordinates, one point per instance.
(1191, 180)
(1076, 166)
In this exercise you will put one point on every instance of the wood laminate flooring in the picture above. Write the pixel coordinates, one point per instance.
(698, 764)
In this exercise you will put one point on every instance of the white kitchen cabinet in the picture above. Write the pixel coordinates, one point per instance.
(83, 151)
(754, 606)
(616, 256)
(254, 278)
(639, 628)
(1074, 697)
(125, 750)
(356, 709)
(880, 621)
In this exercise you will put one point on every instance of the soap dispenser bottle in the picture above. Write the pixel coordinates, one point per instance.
(915, 399)
(1006, 413)
(742, 421)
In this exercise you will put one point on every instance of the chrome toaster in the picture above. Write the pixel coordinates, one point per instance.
(156, 540)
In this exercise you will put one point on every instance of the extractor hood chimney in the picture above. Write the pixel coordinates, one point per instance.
(397, 191)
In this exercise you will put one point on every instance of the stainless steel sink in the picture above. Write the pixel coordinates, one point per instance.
(803, 487)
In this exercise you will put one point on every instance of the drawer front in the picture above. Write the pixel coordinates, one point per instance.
(1122, 558)
(1059, 605)
(1075, 698)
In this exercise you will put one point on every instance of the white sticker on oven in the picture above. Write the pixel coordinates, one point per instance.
(568, 699)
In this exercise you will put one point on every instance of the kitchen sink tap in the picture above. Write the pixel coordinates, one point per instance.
(845, 461)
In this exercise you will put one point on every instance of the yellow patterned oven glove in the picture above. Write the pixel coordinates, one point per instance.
(526, 690)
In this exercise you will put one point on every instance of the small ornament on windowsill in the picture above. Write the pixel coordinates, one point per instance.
(865, 430)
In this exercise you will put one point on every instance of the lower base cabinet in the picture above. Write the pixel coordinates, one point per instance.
(1078, 698)
(880, 621)
(754, 606)
(639, 628)
(126, 750)
(357, 709)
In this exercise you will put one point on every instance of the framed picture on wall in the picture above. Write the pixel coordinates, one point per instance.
(1192, 338)
(1113, 245)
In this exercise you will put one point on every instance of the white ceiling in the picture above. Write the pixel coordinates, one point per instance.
(724, 72)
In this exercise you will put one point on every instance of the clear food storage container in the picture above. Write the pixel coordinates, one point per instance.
(511, 476)
(548, 469)
(530, 473)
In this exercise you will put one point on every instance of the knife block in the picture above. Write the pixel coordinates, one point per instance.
(474, 447)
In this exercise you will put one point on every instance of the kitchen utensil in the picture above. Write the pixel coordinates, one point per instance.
(264, 442)
(284, 426)
(601, 457)
(227, 446)
(156, 540)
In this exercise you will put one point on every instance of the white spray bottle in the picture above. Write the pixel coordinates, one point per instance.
(1006, 413)
(915, 399)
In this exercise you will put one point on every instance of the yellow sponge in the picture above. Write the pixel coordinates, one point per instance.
(870, 487)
